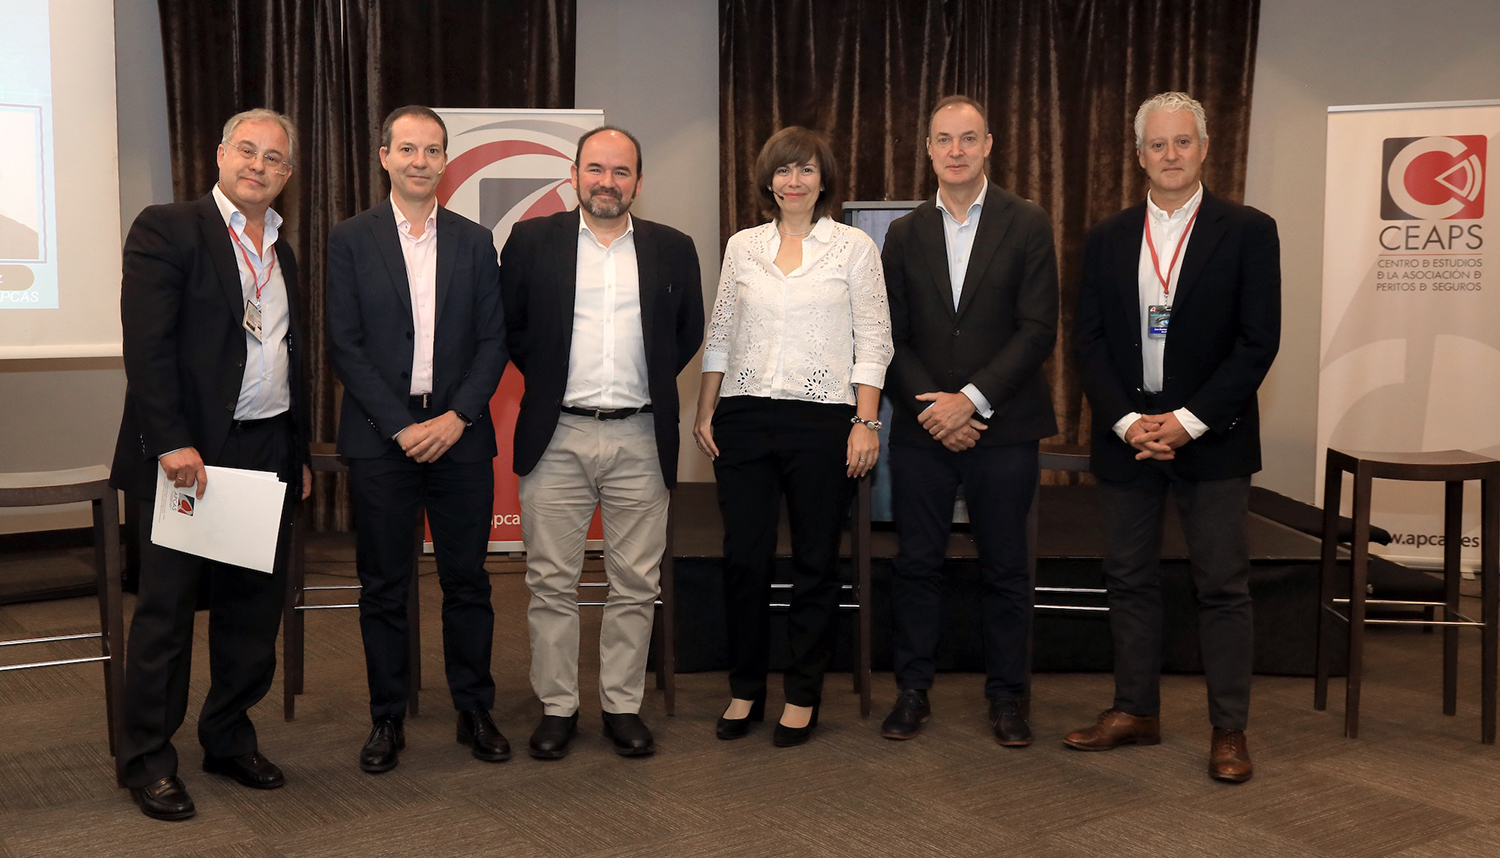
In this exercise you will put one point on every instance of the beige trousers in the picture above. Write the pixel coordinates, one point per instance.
(611, 464)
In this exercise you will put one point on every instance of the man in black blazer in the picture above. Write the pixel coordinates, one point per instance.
(208, 311)
(416, 334)
(1179, 318)
(603, 311)
(972, 280)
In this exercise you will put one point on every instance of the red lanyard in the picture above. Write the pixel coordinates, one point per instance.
(1166, 291)
(269, 268)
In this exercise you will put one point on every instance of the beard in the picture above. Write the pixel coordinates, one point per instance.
(605, 206)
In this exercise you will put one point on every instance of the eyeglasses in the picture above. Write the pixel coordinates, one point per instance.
(274, 162)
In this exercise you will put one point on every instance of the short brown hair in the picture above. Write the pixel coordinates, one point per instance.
(952, 101)
(797, 145)
(387, 127)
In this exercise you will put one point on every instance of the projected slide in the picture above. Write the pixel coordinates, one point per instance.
(28, 247)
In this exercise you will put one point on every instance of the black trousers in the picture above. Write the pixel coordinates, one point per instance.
(999, 485)
(459, 498)
(1213, 522)
(770, 448)
(244, 615)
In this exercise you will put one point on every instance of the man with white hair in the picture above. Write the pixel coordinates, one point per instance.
(1179, 318)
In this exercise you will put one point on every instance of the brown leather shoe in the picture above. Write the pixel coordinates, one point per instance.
(1229, 758)
(1115, 728)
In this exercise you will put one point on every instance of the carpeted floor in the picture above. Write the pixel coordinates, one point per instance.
(1415, 783)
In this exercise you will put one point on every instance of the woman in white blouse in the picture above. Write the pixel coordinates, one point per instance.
(796, 356)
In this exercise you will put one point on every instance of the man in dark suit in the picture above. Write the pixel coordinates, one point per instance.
(208, 310)
(416, 335)
(603, 311)
(972, 280)
(1179, 318)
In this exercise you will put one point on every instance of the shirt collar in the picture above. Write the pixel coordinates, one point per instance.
(583, 229)
(977, 204)
(234, 218)
(1160, 215)
(403, 223)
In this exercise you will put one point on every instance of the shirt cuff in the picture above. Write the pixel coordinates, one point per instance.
(1193, 425)
(168, 453)
(715, 361)
(868, 374)
(1124, 423)
(981, 404)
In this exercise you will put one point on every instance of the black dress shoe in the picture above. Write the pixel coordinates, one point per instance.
(550, 741)
(737, 728)
(386, 738)
(165, 799)
(630, 734)
(786, 737)
(908, 715)
(252, 770)
(476, 730)
(1011, 729)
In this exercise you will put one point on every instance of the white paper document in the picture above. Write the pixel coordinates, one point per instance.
(236, 521)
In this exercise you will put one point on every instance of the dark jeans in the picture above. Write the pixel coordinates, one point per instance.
(770, 448)
(1213, 522)
(999, 485)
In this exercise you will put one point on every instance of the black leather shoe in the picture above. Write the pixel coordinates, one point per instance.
(908, 715)
(1011, 729)
(166, 799)
(786, 737)
(386, 738)
(630, 734)
(550, 741)
(476, 730)
(737, 728)
(252, 770)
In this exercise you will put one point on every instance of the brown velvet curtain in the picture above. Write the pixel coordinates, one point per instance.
(337, 67)
(1059, 79)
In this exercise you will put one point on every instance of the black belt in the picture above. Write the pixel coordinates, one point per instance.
(273, 420)
(601, 414)
(1153, 400)
(422, 401)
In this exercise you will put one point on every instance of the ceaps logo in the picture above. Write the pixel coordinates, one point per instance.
(1433, 178)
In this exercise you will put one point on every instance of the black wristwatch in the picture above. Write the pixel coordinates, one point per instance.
(464, 417)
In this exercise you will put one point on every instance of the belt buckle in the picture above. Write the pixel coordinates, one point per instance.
(598, 413)
(425, 397)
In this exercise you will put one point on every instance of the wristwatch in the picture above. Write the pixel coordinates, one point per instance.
(872, 425)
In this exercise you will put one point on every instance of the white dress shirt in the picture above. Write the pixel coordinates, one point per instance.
(812, 334)
(1169, 234)
(420, 254)
(265, 389)
(607, 358)
(958, 239)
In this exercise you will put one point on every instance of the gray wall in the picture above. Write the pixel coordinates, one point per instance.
(652, 65)
(1312, 56)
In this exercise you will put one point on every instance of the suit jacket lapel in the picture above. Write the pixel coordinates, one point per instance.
(565, 257)
(648, 274)
(994, 220)
(447, 253)
(389, 242)
(221, 251)
(929, 230)
(1127, 248)
(1208, 229)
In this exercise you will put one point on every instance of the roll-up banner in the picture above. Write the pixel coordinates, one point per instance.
(1410, 356)
(506, 166)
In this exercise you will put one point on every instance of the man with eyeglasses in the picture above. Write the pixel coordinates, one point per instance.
(208, 310)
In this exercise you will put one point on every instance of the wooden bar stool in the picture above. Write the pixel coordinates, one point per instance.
(1453, 468)
(79, 485)
(326, 460)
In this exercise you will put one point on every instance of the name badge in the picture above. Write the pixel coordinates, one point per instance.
(253, 322)
(1158, 316)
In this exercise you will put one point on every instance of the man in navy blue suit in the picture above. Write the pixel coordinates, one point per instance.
(417, 336)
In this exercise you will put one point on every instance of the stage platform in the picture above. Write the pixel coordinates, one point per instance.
(1283, 582)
